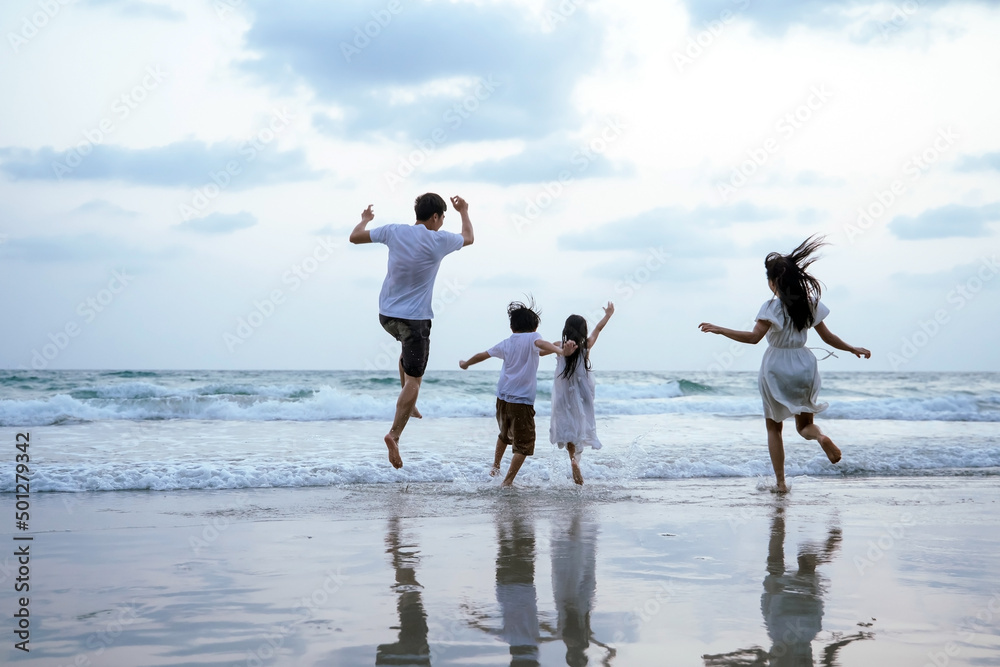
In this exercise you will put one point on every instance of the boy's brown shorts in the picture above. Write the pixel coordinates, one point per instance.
(517, 426)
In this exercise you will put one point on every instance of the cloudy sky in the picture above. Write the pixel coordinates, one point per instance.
(178, 179)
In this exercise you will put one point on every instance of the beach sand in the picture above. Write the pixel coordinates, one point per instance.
(889, 571)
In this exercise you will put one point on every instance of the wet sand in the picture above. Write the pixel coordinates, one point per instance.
(887, 571)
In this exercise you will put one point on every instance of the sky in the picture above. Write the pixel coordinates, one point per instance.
(178, 179)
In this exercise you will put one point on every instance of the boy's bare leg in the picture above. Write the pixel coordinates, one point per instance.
(498, 457)
(404, 406)
(402, 383)
(577, 477)
(776, 448)
(808, 430)
(515, 465)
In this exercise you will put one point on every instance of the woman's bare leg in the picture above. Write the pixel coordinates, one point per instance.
(808, 430)
(776, 448)
(577, 476)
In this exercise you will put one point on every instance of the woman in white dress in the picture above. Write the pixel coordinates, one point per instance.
(573, 424)
(789, 378)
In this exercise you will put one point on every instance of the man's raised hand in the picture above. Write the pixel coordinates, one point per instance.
(367, 215)
(460, 204)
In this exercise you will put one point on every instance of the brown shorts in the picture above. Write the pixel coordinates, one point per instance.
(517, 426)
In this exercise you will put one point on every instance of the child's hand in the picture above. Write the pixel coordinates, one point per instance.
(464, 365)
(609, 310)
(861, 353)
(460, 204)
(368, 214)
(569, 347)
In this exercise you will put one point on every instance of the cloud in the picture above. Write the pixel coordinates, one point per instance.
(681, 231)
(105, 208)
(134, 9)
(219, 223)
(982, 162)
(474, 70)
(180, 164)
(555, 158)
(77, 248)
(946, 222)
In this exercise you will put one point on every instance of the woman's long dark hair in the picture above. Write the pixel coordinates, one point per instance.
(575, 330)
(798, 291)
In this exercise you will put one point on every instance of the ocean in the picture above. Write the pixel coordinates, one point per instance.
(171, 430)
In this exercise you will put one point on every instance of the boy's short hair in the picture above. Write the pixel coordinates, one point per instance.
(428, 204)
(524, 318)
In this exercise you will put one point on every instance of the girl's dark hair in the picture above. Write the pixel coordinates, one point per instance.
(575, 330)
(798, 291)
(428, 204)
(524, 318)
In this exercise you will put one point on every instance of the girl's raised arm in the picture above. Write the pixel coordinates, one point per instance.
(834, 340)
(609, 310)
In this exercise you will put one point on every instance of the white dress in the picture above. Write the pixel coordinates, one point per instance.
(789, 375)
(573, 408)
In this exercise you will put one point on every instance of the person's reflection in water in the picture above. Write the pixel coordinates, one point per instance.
(792, 605)
(516, 587)
(574, 581)
(411, 647)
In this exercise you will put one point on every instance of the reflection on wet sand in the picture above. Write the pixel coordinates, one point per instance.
(792, 606)
(411, 646)
(516, 587)
(574, 582)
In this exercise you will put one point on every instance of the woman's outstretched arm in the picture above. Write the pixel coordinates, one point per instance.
(833, 340)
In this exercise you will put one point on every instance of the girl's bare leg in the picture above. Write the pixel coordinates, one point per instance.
(808, 430)
(577, 476)
(776, 448)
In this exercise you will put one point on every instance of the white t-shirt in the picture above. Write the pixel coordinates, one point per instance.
(519, 375)
(415, 253)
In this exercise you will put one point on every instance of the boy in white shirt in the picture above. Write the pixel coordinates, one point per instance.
(517, 386)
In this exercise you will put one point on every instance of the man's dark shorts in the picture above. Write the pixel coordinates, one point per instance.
(415, 335)
(517, 426)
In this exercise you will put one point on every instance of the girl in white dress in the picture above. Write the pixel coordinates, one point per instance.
(573, 424)
(789, 378)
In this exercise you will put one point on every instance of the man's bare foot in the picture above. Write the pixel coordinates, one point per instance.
(392, 442)
(577, 477)
(780, 488)
(494, 471)
(415, 413)
(832, 451)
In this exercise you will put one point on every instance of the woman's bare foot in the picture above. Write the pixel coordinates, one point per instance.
(415, 413)
(392, 443)
(780, 488)
(577, 477)
(832, 451)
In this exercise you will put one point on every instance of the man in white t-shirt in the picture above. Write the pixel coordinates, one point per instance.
(517, 386)
(404, 304)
